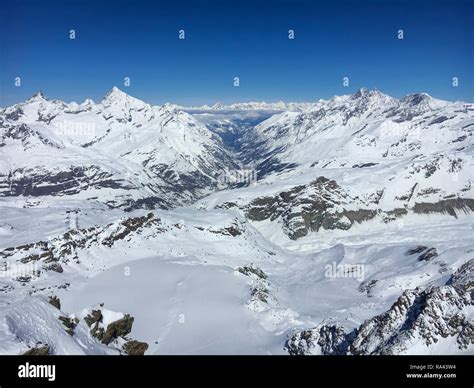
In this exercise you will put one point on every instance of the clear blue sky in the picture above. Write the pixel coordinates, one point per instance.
(224, 39)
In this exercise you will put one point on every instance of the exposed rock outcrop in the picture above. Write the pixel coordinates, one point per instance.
(38, 351)
(135, 348)
(418, 318)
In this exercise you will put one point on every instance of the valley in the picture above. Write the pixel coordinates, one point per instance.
(124, 212)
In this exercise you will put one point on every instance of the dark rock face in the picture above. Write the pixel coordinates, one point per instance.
(411, 106)
(94, 317)
(324, 204)
(325, 340)
(308, 208)
(129, 226)
(428, 255)
(234, 229)
(367, 287)
(55, 267)
(251, 269)
(449, 206)
(463, 278)
(260, 292)
(64, 248)
(113, 331)
(364, 165)
(14, 115)
(54, 300)
(117, 329)
(459, 139)
(38, 351)
(438, 120)
(227, 205)
(39, 182)
(23, 133)
(69, 323)
(135, 348)
(428, 316)
(417, 249)
(93, 320)
(260, 288)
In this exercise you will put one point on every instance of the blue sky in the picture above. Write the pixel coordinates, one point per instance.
(249, 40)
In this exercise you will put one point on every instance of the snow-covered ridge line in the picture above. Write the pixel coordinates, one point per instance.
(132, 153)
(301, 106)
(116, 95)
(354, 231)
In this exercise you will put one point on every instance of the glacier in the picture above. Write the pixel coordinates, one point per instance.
(119, 235)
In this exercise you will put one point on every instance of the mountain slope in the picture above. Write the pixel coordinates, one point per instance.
(384, 158)
(355, 238)
(122, 150)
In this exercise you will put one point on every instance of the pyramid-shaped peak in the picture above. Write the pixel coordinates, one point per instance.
(39, 95)
(117, 97)
(88, 101)
(115, 93)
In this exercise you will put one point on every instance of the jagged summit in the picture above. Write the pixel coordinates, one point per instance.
(372, 94)
(417, 98)
(39, 95)
(115, 94)
(116, 97)
(169, 107)
(360, 93)
(218, 105)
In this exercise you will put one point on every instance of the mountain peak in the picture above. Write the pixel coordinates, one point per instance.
(417, 98)
(116, 98)
(218, 105)
(360, 93)
(364, 92)
(38, 96)
(115, 94)
(88, 102)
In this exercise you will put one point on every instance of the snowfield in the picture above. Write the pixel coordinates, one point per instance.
(118, 234)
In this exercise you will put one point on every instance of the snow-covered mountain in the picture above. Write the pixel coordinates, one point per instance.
(252, 106)
(118, 234)
(356, 158)
(121, 151)
(366, 127)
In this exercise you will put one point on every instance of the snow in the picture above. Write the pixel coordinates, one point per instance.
(34, 321)
(187, 309)
(178, 272)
